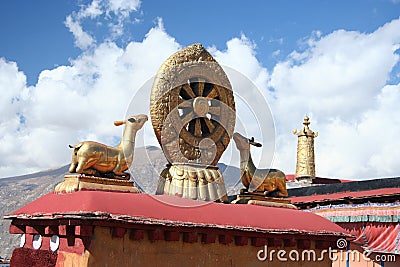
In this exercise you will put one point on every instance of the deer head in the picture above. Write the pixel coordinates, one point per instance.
(135, 121)
(243, 143)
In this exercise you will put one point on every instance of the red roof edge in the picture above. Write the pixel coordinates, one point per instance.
(144, 208)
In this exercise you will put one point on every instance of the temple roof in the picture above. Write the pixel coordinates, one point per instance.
(175, 211)
(365, 212)
(376, 190)
(319, 180)
(365, 194)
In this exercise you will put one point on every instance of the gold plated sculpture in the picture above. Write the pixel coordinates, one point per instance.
(191, 101)
(193, 115)
(305, 166)
(92, 158)
(264, 181)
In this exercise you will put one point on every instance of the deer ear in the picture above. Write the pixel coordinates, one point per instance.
(251, 141)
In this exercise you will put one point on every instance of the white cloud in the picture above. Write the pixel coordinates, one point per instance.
(241, 56)
(92, 11)
(83, 40)
(76, 102)
(340, 80)
(249, 81)
(370, 145)
(123, 7)
(117, 12)
(340, 68)
(14, 82)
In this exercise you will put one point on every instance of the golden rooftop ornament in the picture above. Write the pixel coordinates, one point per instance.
(95, 166)
(305, 166)
(192, 111)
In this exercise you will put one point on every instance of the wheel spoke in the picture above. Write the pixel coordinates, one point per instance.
(191, 126)
(214, 110)
(201, 88)
(197, 127)
(213, 93)
(184, 103)
(186, 118)
(209, 124)
(186, 87)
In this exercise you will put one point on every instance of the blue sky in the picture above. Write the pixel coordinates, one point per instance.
(34, 34)
(68, 69)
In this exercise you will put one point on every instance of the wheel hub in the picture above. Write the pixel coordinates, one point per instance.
(200, 106)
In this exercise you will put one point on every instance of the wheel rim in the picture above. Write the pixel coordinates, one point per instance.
(192, 108)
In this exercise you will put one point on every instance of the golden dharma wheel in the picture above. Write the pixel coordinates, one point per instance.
(192, 107)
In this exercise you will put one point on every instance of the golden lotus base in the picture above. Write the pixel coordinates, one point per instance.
(192, 181)
(77, 182)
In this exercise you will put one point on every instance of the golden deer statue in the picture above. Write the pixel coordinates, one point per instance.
(92, 158)
(267, 180)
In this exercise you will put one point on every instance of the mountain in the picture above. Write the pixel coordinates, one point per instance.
(148, 163)
(16, 192)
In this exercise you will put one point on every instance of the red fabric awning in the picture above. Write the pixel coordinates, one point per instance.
(375, 236)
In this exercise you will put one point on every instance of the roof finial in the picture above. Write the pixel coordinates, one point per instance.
(306, 121)
(305, 166)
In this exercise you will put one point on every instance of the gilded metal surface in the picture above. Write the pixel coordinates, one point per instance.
(193, 116)
(195, 182)
(305, 165)
(192, 107)
(92, 158)
(258, 180)
(77, 182)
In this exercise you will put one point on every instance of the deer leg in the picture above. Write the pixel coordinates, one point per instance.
(117, 170)
(84, 167)
(80, 167)
(72, 168)
(74, 163)
(90, 171)
(282, 192)
(119, 174)
(121, 166)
